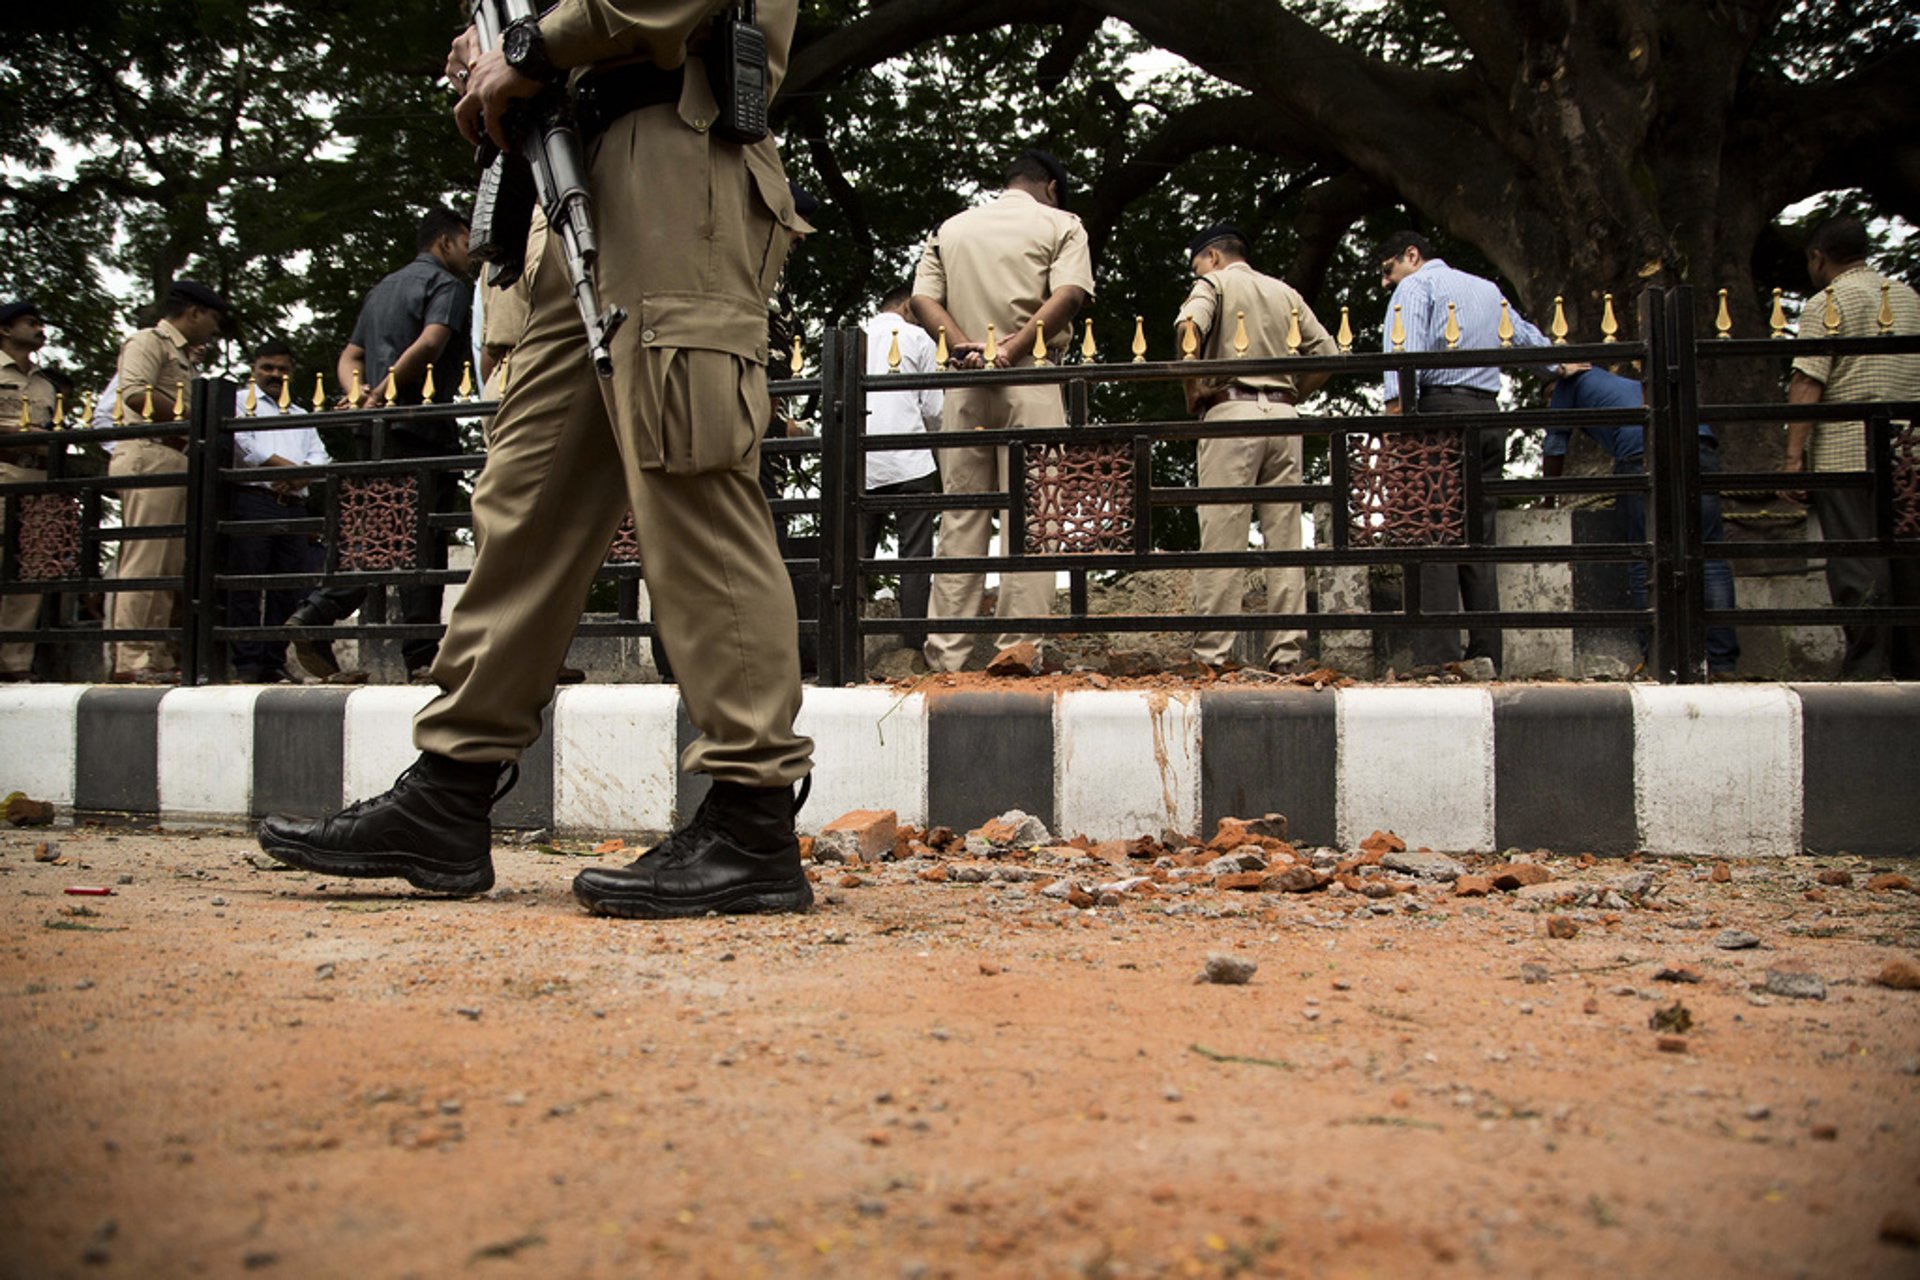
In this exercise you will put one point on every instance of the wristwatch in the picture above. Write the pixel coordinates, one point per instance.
(526, 52)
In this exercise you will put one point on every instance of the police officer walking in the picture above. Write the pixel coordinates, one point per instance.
(22, 387)
(1232, 304)
(693, 229)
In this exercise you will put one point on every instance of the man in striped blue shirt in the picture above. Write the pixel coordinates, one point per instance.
(1422, 287)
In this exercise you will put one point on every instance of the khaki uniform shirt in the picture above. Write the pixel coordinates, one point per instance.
(694, 348)
(1842, 446)
(1216, 306)
(995, 265)
(154, 360)
(506, 311)
(22, 384)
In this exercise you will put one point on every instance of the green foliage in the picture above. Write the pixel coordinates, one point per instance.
(281, 152)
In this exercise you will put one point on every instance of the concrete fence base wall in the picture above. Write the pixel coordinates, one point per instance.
(1746, 770)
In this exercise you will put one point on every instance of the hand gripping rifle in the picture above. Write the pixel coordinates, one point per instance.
(547, 164)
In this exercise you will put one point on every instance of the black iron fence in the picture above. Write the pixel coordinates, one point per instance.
(1401, 489)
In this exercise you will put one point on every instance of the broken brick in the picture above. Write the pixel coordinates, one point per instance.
(862, 835)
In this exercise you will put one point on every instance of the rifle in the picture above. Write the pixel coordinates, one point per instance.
(547, 164)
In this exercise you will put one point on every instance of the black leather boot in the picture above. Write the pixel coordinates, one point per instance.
(738, 855)
(314, 656)
(430, 829)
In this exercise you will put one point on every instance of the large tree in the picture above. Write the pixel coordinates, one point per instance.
(1583, 147)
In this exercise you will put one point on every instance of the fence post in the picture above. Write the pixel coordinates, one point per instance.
(210, 399)
(1683, 483)
(851, 413)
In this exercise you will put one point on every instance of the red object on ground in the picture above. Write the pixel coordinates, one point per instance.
(90, 890)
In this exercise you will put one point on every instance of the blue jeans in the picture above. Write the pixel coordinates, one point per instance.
(1723, 643)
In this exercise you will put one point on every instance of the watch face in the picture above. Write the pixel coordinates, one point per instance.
(517, 44)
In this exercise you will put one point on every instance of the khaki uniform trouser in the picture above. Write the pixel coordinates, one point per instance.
(149, 557)
(569, 454)
(17, 612)
(1232, 463)
(967, 533)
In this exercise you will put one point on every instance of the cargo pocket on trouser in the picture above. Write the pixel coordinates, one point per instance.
(690, 382)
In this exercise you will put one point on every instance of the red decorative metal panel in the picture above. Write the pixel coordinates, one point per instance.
(1079, 498)
(626, 544)
(1906, 482)
(1407, 489)
(49, 537)
(377, 522)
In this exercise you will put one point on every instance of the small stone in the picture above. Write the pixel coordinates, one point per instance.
(1835, 876)
(1383, 842)
(1013, 829)
(1562, 927)
(1796, 984)
(46, 851)
(217, 902)
(1671, 1044)
(1533, 974)
(1674, 1017)
(1472, 887)
(934, 874)
(1421, 864)
(1227, 970)
(1889, 883)
(1900, 1227)
(1720, 874)
(1526, 1008)
(1824, 1133)
(989, 969)
(1735, 940)
(1518, 875)
(1245, 858)
(23, 811)
(323, 972)
(1311, 1015)
(848, 881)
(1243, 881)
(1297, 879)
(1021, 659)
(1758, 1111)
(1901, 975)
(1676, 973)
(862, 835)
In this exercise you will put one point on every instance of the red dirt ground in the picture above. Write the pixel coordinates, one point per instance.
(221, 1069)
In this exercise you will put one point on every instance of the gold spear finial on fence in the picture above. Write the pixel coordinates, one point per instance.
(1189, 342)
(1452, 330)
(798, 360)
(1777, 322)
(1039, 343)
(1399, 332)
(26, 419)
(1559, 326)
(356, 390)
(1345, 336)
(59, 410)
(1832, 318)
(179, 400)
(1505, 328)
(84, 414)
(465, 390)
(991, 352)
(893, 353)
(319, 393)
(119, 406)
(940, 355)
(1609, 324)
(1089, 350)
(251, 402)
(285, 400)
(1294, 336)
(1885, 318)
(393, 387)
(426, 389)
(1139, 339)
(1723, 319)
(1240, 340)
(505, 371)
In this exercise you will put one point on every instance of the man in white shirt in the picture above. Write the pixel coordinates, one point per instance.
(898, 471)
(280, 445)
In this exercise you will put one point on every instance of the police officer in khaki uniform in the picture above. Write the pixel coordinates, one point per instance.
(22, 334)
(693, 232)
(1020, 264)
(1229, 299)
(155, 367)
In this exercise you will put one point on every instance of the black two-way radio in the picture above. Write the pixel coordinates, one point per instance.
(736, 58)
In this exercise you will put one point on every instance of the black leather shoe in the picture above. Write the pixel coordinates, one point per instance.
(738, 855)
(430, 829)
(314, 656)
